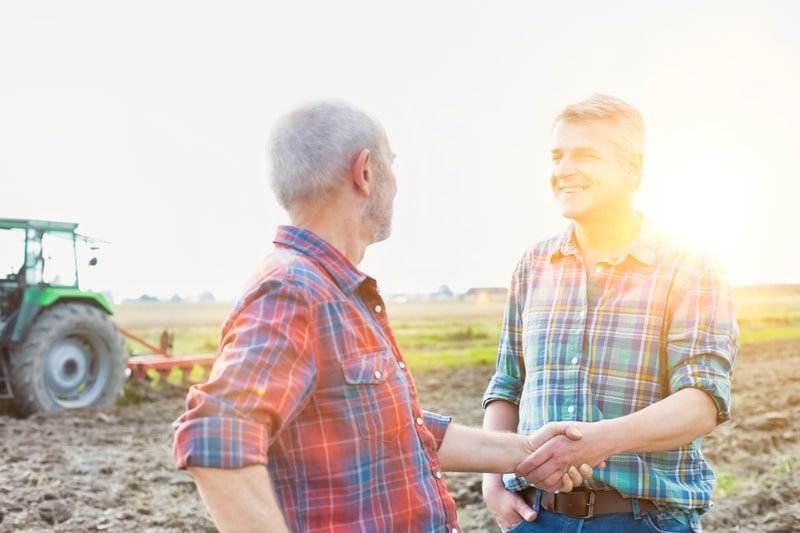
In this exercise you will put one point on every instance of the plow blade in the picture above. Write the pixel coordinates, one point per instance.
(140, 364)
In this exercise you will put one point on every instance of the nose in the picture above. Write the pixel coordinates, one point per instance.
(564, 168)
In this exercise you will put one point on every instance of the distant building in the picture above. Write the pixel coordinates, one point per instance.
(486, 294)
(443, 294)
(205, 297)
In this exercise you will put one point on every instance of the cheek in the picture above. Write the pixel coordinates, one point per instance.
(553, 182)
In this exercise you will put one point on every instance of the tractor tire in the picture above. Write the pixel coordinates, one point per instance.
(72, 357)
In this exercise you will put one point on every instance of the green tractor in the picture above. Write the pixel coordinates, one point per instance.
(59, 349)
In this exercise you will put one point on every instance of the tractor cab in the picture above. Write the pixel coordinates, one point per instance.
(58, 346)
(35, 253)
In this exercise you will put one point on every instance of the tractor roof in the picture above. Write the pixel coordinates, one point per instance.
(46, 225)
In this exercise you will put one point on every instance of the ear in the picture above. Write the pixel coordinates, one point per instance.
(635, 175)
(360, 172)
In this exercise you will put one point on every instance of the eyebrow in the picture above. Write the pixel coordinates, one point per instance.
(579, 151)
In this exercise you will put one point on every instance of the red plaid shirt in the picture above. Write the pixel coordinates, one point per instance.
(310, 382)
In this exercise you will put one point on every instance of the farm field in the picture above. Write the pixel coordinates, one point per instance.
(112, 470)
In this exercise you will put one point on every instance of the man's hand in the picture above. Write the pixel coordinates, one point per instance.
(509, 508)
(552, 459)
(568, 478)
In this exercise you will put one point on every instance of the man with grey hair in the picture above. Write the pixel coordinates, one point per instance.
(310, 419)
(618, 328)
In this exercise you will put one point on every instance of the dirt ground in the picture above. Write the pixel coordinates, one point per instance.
(112, 470)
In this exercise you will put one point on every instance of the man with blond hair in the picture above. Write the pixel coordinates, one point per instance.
(310, 419)
(616, 327)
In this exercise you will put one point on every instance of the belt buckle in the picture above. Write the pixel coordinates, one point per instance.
(589, 507)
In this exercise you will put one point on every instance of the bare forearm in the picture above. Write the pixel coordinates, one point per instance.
(239, 499)
(500, 416)
(473, 450)
(666, 425)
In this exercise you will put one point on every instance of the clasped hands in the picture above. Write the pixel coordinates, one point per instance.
(559, 457)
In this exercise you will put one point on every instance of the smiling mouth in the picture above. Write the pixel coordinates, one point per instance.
(574, 189)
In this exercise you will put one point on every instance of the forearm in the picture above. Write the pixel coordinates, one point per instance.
(500, 416)
(473, 450)
(239, 499)
(666, 425)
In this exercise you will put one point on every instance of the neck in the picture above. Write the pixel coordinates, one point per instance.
(608, 236)
(342, 229)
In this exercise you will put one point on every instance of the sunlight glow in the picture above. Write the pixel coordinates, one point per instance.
(700, 202)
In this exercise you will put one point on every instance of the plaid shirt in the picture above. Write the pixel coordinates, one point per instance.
(310, 382)
(591, 347)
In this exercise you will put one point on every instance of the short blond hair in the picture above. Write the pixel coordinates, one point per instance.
(602, 107)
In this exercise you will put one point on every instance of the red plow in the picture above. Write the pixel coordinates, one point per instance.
(162, 361)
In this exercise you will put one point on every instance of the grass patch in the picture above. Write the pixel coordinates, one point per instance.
(727, 485)
(451, 358)
(187, 340)
(766, 334)
(438, 334)
(785, 466)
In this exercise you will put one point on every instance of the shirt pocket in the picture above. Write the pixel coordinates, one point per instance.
(377, 394)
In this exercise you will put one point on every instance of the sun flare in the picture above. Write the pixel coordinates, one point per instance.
(700, 202)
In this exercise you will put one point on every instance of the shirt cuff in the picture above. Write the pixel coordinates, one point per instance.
(437, 425)
(718, 387)
(218, 442)
(503, 387)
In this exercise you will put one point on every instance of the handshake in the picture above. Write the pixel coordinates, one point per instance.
(557, 457)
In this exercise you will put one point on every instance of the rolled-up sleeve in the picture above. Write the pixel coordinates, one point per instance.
(506, 384)
(262, 378)
(702, 338)
(437, 424)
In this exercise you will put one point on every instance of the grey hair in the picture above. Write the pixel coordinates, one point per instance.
(312, 149)
(601, 107)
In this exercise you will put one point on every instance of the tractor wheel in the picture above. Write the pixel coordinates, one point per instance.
(72, 357)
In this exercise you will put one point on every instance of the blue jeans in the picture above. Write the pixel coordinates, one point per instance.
(652, 522)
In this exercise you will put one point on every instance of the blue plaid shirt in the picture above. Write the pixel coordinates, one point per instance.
(588, 348)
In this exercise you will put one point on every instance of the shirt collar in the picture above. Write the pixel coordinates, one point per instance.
(343, 272)
(647, 244)
(565, 244)
(645, 247)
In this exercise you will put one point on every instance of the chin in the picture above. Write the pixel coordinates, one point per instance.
(578, 210)
(572, 213)
(382, 234)
(386, 234)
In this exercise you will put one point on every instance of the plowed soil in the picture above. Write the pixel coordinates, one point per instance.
(112, 470)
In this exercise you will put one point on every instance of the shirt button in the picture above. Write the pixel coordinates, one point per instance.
(598, 268)
(419, 421)
(378, 374)
(402, 364)
(378, 308)
(574, 360)
(582, 314)
(438, 475)
(570, 409)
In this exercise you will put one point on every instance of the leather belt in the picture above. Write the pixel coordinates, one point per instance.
(586, 503)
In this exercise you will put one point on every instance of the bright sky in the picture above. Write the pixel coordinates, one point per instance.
(147, 122)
